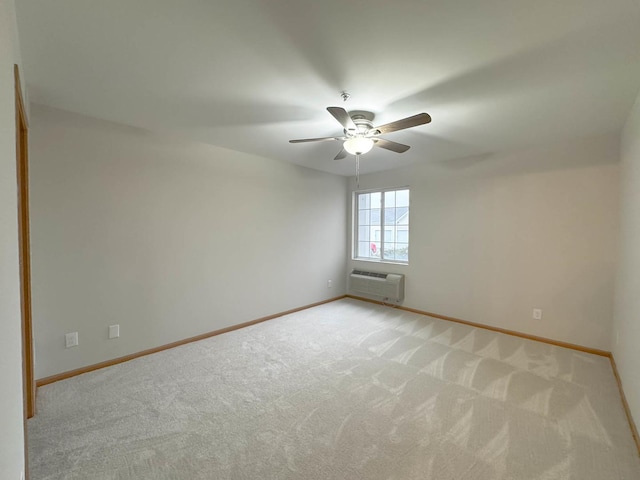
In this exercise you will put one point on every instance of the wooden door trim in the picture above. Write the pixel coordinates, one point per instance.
(22, 170)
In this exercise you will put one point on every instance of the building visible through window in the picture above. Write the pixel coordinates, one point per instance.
(377, 212)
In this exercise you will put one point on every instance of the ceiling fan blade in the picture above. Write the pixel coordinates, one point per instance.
(321, 139)
(389, 145)
(341, 154)
(414, 121)
(343, 117)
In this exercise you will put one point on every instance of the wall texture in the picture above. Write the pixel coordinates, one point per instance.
(493, 237)
(626, 332)
(168, 239)
(11, 423)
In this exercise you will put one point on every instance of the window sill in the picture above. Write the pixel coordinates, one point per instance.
(375, 260)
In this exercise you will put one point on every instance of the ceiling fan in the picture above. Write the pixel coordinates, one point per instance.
(360, 136)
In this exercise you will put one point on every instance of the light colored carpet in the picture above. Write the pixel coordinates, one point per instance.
(346, 390)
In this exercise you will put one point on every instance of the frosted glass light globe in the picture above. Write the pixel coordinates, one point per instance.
(358, 145)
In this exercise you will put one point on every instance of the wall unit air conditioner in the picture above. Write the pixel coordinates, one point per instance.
(389, 286)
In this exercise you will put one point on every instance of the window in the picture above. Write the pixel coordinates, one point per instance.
(377, 212)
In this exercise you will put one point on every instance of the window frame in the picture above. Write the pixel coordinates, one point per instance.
(355, 225)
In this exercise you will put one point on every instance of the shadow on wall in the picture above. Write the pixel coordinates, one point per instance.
(578, 153)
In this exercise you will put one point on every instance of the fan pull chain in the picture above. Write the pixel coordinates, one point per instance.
(357, 171)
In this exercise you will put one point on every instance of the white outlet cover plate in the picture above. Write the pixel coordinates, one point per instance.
(537, 314)
(114, 331)
(71, 339)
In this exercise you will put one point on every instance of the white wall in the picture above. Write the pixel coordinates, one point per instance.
(626, 332)
(492, 237)
(11, 413)
(167, 238)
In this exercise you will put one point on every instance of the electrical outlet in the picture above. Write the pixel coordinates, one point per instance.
(329, 283)
(114, 331)
(71, 339)
(537, 314)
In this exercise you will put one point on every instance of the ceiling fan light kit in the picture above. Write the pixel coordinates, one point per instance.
(359, 134)
(358, 145)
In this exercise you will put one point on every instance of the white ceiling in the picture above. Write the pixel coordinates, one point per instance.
(251, 74)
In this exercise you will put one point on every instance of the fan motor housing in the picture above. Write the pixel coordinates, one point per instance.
(362, 119)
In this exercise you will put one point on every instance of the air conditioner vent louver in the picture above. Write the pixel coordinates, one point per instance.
(389, 286)
(370, 274)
